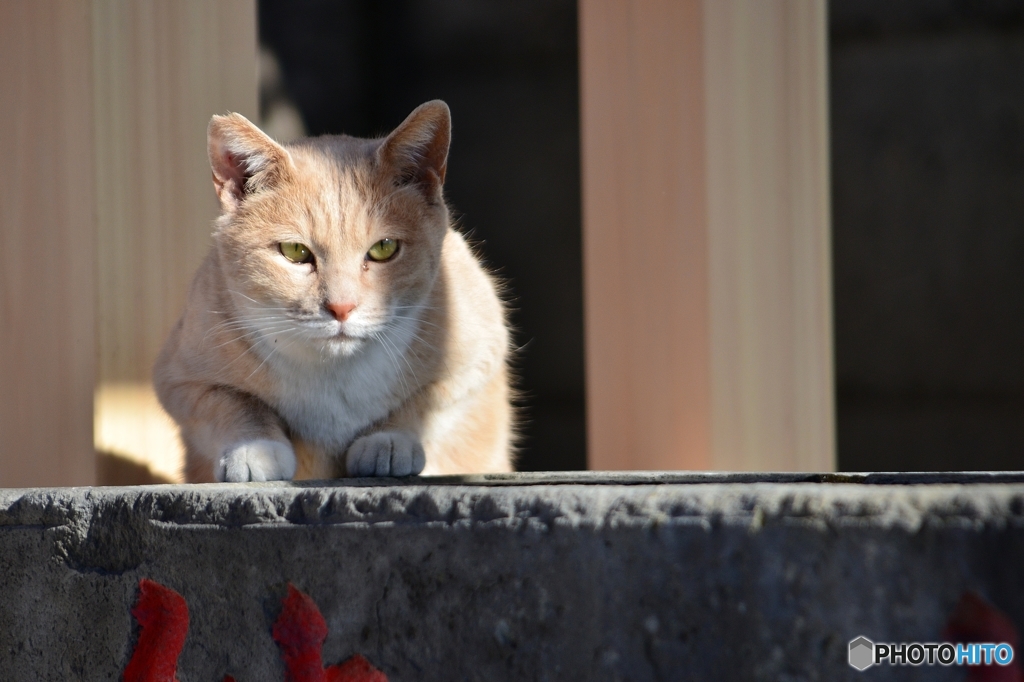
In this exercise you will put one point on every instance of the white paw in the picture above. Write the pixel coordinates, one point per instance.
(257, 460)
(388, 453)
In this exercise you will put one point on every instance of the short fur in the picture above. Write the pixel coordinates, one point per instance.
(266, 382)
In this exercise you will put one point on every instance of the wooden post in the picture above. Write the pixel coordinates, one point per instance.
(706, 234)
(47, 242)
(105, 212)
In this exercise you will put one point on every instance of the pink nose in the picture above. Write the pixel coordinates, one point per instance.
(341, 311)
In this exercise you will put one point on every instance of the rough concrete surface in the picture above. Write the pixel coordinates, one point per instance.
(543, 577)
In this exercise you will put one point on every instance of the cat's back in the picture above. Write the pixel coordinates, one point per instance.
(475, 311)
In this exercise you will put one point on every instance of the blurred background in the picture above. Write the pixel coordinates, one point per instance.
(922, 165)
(926, 106)
(927, 132)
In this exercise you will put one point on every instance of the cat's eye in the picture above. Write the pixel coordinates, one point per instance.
(296, 252)
(382, 250)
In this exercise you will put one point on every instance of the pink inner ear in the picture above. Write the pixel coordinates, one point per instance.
(231, 173)
(235, 164)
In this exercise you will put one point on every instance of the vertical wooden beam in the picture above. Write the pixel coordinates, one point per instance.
(644, 239)
(769, 237)
(706, 234)
(47, 242)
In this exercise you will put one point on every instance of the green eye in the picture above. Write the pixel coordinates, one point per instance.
(296, 252)
(382, 250)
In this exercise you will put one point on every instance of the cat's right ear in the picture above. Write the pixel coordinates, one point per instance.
(243, 158)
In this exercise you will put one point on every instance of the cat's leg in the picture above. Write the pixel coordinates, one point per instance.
(386, 453)
(232, 436)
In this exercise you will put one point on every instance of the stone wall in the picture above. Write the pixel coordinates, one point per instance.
(520, 577)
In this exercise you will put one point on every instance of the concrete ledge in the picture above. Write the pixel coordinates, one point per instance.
(525, 577)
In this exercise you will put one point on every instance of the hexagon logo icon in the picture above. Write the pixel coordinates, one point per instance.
(862, 653)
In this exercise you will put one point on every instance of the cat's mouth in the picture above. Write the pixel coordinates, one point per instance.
(343, 343)
(340, 334)
(336, 332)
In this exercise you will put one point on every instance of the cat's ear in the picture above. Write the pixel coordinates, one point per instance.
(416, 152)
(243, 158)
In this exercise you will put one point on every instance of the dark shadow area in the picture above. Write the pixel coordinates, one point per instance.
(508, 70)
(927, 114)
(112, 469)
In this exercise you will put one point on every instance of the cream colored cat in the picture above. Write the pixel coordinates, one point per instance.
(339, 325)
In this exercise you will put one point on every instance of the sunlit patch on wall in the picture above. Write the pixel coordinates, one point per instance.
(130, 424)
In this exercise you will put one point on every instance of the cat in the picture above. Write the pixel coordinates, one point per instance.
(339, 325)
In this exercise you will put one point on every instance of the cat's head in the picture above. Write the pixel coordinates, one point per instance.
(330, 241)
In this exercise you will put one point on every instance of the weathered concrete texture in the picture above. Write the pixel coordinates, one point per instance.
(520, 578)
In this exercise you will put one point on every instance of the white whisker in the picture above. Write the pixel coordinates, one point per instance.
(269, 355)
(254, 333)
(401, 373)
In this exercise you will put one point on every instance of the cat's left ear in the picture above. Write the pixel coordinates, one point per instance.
(244, 159)
(416, 152)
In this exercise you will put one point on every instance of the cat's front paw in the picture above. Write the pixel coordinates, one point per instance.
(387, 453)
(257, 460)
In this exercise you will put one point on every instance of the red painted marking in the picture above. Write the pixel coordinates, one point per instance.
(300, 632)
(163, 616)
(976, 620)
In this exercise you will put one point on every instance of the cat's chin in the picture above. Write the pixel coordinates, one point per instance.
(342, 345)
